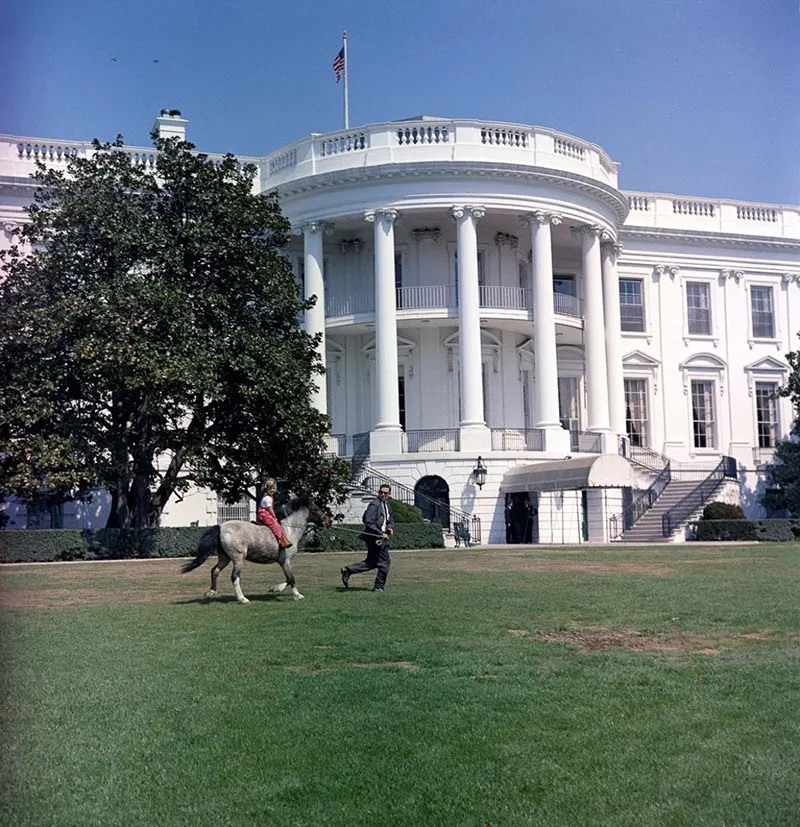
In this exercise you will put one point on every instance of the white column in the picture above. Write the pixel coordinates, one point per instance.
(386, 432)
(616, 386)
(545, 360)
(474, 433)
(315, 287)
(594, 331)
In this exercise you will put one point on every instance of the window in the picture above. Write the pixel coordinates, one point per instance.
(767, 414)
(763, 315)
(631, 306)
(636, 423)
(565, 285)
(568, 407)
(301, 276)
(526, 399)
(401, 396)
(481, 269)
(698, 308)
(703, 423)
(523, 274)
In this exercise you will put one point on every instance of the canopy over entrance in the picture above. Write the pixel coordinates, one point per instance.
(604, 471)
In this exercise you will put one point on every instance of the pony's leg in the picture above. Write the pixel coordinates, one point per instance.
(289, 575)
(222, 561)
(236, 579)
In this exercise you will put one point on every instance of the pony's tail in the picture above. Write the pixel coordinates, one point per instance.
(208, 545)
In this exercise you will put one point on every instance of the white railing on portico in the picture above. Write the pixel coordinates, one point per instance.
(444, 297)
(428, 296)
(439, 439)
(505, 298)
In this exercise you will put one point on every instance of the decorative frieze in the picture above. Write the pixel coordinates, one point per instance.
(350, 245)
(426, 234)
(506, 240)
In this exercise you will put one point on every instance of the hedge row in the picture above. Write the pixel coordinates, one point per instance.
(347, 537)
(50, 545)
(774, 531)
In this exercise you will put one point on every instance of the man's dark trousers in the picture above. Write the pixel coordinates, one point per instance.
(377, 558)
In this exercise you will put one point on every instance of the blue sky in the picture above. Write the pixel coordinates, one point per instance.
(693, 97)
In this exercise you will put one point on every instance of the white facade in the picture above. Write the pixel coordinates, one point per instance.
(488, 290)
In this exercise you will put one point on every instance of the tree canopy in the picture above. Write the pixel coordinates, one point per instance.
(784, 474)
(151, 340)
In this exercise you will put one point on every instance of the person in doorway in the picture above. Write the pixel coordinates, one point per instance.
(378, 528)
(266, 513)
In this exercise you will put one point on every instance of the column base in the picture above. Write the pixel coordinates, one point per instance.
(474, 439)
(386, 441)
(557, 440)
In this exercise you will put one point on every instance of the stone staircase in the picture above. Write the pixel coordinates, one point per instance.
(648, 527)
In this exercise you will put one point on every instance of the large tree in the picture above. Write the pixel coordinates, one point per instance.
(150, 337)
(784, 473)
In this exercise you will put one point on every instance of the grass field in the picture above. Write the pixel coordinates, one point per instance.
(509, 686)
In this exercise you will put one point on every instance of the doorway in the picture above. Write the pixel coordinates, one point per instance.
(433, 488)
(522, 517)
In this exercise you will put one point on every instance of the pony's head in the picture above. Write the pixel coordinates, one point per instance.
(316, 514)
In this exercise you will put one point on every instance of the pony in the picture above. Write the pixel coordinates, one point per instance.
(238, 540)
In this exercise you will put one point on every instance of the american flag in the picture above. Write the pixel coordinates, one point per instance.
(338, 64)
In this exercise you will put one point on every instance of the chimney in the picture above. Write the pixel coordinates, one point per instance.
(170, 124)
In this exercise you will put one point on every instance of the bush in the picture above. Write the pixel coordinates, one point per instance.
(347, 537)
(722, 511)
(403, 513)
(774, 531)
(51, 545)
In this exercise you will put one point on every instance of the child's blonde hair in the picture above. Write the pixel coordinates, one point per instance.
(270, 484)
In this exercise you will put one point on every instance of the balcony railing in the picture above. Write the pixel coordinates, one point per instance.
(445, 297)
(517, 439)
(440, 439)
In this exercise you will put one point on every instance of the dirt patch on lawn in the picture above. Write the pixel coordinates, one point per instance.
(595, 639)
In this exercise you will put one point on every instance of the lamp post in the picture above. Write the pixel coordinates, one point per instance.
(479, 473)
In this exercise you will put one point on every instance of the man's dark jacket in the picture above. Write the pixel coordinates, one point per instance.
(373, 520)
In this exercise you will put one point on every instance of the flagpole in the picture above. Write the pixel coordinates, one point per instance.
(346, 101)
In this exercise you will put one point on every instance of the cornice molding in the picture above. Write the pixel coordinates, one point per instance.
(696, 237)
(456, 170)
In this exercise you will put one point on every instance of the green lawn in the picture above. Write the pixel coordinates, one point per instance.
(533, 686)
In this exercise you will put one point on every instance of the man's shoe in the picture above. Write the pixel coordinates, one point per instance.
(378, 590)
(345, 578)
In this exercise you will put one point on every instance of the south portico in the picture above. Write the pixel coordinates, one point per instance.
(601, 335)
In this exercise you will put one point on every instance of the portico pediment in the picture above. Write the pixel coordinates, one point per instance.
(638, 359)
(768, 364)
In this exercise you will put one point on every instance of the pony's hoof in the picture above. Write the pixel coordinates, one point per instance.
(210, 593)
(299, 596)
(244, 601)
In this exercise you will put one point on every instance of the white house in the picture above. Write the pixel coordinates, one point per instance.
(490, 298)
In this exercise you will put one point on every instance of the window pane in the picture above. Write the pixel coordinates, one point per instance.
(636, 423)
(631, 305)
(698, 308)
(767, 414)
(703, 423)
(763, 316)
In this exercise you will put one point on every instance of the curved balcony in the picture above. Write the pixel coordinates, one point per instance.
(445, 298)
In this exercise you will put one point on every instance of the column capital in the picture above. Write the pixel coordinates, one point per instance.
(670, 270)
(789, 278)
(384, 214)
(734, 275)
(591, 230)
(539, 217)
(462, 210)
(311, 227)
(610, 247)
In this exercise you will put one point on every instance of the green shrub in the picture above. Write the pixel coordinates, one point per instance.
(347, 537)
(50, 545)
(778, 531)
(722, 511)
(405, 513)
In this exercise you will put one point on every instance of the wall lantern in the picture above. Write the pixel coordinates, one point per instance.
(479, 473)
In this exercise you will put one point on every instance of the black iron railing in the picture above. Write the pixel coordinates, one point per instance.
(698, 496)
(644, 457)
(644, 500)
(462, 525)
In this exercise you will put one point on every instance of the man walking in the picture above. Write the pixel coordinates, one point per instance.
(378, 528)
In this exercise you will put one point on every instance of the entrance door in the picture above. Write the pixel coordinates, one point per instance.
(433, 488)
(522, 517)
